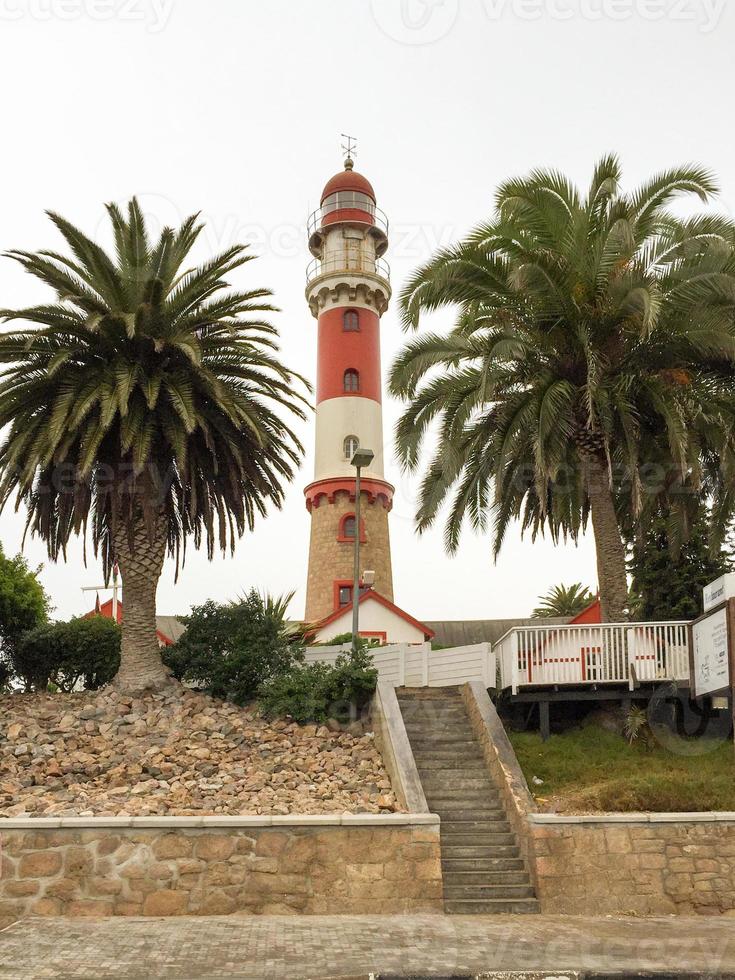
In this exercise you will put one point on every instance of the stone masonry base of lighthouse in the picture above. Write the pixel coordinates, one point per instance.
(331, 560)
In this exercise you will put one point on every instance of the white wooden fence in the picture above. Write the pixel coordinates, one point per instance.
(417, 665)
(614, 653)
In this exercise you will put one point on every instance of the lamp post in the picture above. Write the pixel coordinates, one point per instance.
(361, 460)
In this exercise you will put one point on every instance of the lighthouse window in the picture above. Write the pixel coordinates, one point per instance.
(352, 200)
(351, 445)
(348, 527)
(352, 380)
(351, 320)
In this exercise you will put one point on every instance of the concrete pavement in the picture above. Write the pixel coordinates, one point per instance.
(319, 947)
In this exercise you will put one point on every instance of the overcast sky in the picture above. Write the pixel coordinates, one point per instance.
(235, 108)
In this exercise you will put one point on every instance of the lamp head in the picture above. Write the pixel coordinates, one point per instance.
(363, 458)
(368, 578)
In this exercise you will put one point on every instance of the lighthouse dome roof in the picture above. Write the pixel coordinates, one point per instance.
(348, 180)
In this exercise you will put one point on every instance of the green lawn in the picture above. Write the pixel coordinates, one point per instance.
(589, 770)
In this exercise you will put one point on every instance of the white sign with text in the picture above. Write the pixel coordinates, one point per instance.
(711, 654)
(719, 591)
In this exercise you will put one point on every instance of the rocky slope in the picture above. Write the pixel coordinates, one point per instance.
(177, 754)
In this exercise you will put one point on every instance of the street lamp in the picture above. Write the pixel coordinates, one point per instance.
(361, 460)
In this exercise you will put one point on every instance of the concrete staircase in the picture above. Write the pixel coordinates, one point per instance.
(483, 870)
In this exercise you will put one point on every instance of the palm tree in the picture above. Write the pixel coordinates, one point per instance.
(563, 600)
(144, 401)
(589, 330)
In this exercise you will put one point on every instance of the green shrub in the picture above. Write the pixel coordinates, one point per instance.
(85, 651)
(363, 642)
(24, 605)
(316, 692)
(230, 649)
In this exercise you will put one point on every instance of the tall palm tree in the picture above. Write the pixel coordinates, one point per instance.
(146, 402)
(590, 329)
(563, 600)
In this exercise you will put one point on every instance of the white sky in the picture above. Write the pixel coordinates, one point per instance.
(234, 108)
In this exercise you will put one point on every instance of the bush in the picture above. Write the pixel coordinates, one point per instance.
(65, 654)
(316, 692)
(230, 649)
(363, 642)
(24, 605)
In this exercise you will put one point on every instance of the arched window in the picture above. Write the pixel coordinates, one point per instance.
(346, 530)
(350, 447)
(351, 321)
(352, 380)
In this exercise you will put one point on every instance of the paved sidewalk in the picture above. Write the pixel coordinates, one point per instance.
(319, 947)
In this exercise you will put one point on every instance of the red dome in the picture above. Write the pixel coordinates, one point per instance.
(348, 180)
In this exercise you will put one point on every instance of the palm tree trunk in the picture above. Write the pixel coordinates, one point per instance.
(140, 558)
(611, 572)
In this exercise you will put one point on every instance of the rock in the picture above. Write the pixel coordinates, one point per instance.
(40, 864)
(166, 902)
(178, 753)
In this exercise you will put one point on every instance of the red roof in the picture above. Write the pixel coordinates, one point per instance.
(348, 180)
(428, 633)
(105, 609)
(590, 614)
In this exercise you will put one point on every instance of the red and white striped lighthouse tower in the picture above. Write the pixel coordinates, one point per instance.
(348, 290)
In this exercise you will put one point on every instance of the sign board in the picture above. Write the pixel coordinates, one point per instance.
(711, 654)
(719, 591)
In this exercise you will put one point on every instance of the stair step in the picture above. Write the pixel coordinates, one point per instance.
(451, 831)
(430, 741)
(486, 839)
(457, 780)
(484, 866)
(433, 734)
(485, 809)
(452, 849)
(491, 906)
(439, 791)
(478, 853)
(451, 762)
(477, 892)
(437, 723)
(511, 877)
(428, 764)
(466, 827)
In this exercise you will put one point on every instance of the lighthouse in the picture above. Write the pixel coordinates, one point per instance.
(348, 290)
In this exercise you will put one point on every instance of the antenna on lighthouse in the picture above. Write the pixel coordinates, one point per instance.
(350, 150)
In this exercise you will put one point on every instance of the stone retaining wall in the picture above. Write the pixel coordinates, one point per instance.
(646, 864)
(213, 866)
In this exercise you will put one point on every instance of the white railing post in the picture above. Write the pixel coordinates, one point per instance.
(402, 665)
(425, 664)
(486, 654)
(514, 661)
(632, 672)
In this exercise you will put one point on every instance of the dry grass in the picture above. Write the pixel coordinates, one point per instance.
(589, 770)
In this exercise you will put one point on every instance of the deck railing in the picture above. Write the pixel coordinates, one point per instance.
(610, 653)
